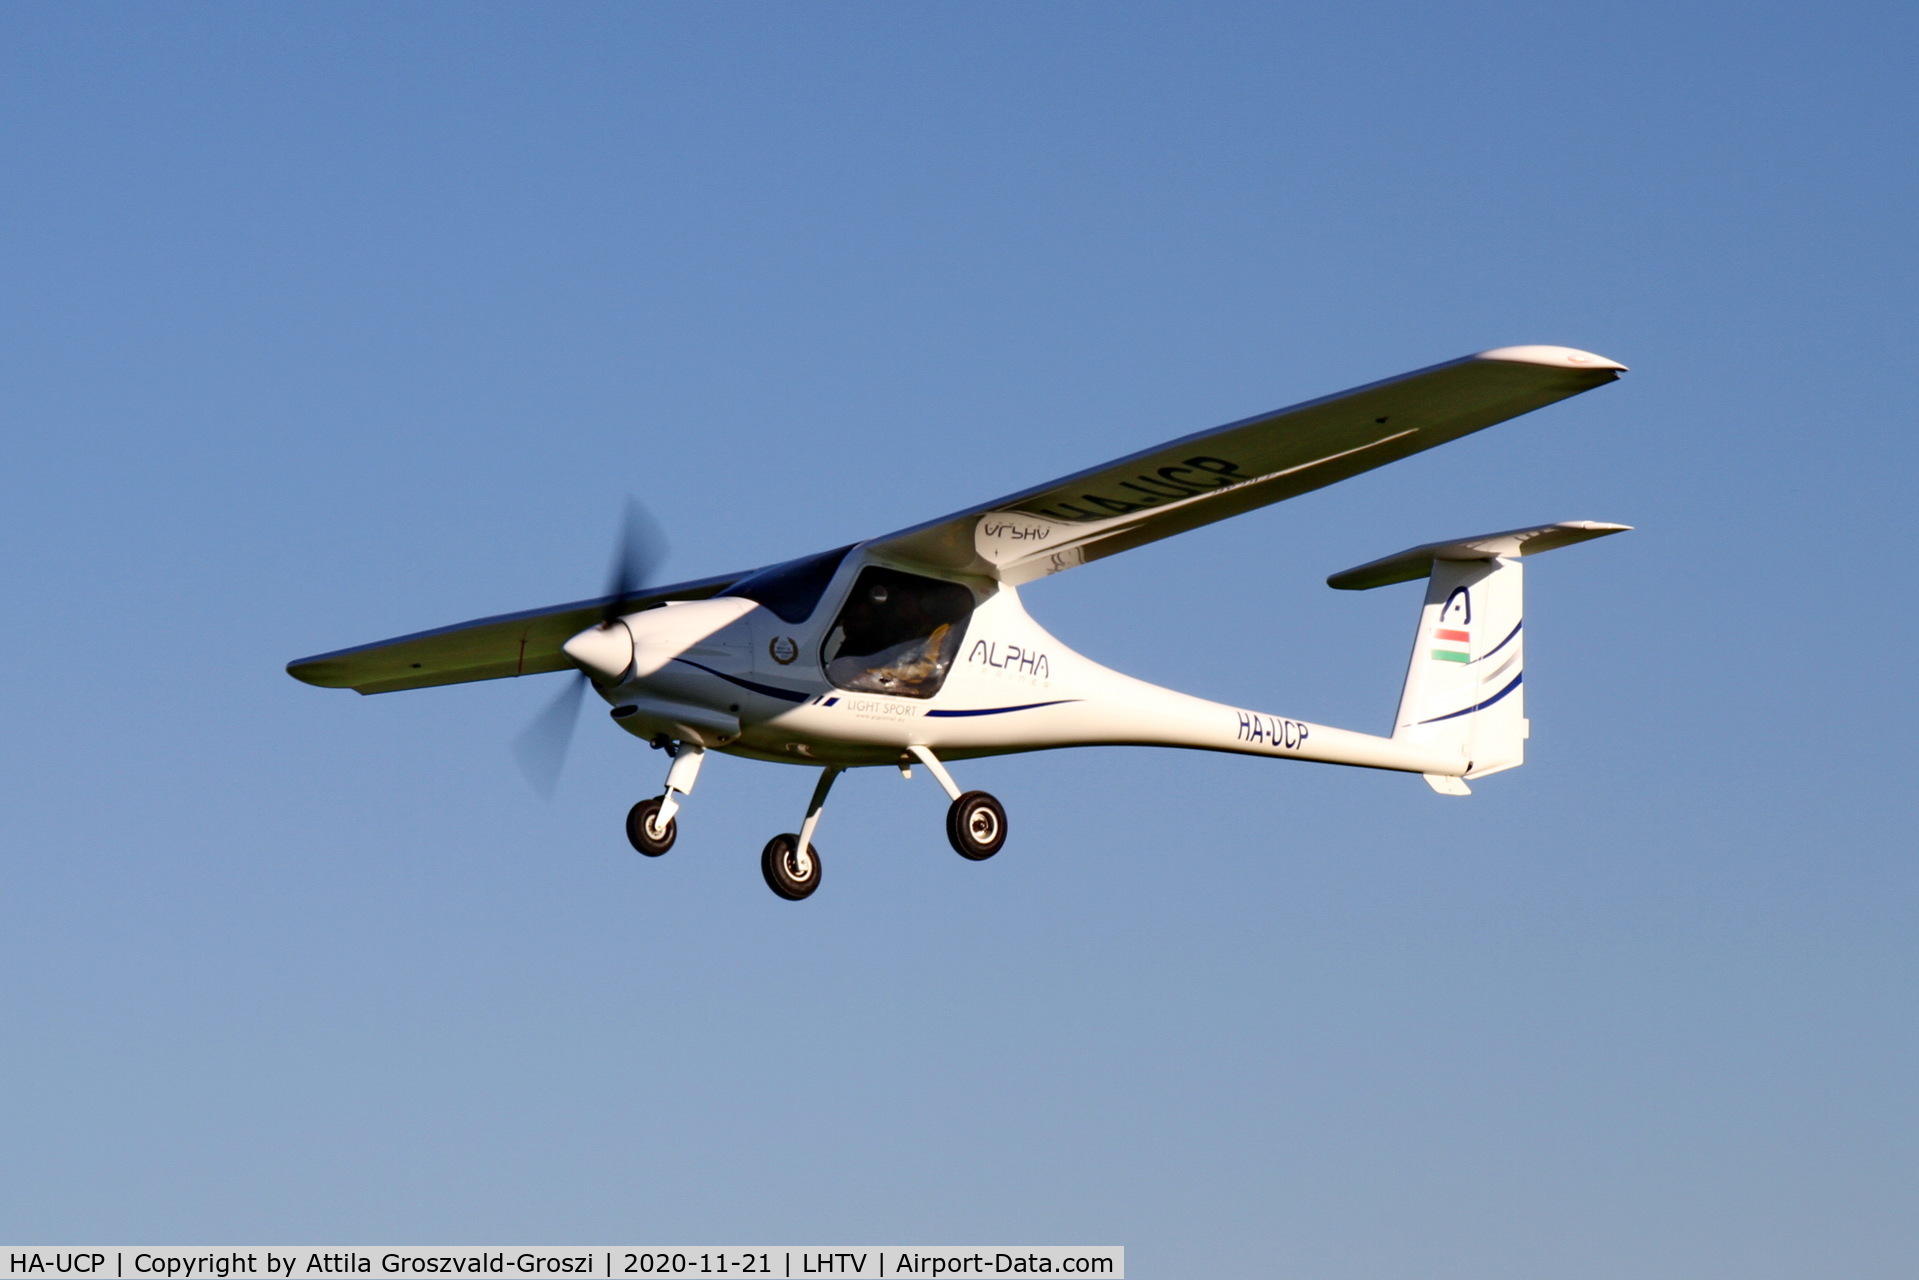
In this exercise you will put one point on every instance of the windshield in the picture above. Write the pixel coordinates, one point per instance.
(897, 633)
(793, 589)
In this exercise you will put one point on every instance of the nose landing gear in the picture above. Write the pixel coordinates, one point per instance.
(644, 830)
(650, 825)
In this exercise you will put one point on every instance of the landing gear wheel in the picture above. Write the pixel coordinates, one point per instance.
(780, 864)
(976, 825)
(644, 834)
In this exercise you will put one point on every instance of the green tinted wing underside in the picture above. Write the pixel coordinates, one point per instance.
(1211, 475)
(513, 644)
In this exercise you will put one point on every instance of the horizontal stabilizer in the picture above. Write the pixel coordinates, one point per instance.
(1409, 565)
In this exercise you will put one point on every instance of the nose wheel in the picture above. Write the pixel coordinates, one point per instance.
(651, 826)
(646, 832)
(976, 826)
(789, 873)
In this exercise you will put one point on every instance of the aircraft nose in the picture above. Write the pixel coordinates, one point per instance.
(605, 652)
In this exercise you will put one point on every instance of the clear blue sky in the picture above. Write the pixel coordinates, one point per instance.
(327, 323)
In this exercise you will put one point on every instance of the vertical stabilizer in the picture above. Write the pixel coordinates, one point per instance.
(1465, 684)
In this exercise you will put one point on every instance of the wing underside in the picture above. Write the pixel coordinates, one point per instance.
(1243, 465)
(513, 644)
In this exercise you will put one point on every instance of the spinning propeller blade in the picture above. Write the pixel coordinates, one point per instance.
(541, 747)
(637, 554)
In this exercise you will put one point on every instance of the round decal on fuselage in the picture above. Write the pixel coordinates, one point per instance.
(784, 649)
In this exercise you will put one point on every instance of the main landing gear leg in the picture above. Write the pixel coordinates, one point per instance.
(789, 862)
(650, 825)
(975, 823)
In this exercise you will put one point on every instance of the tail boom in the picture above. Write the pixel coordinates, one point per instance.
(1118, 710)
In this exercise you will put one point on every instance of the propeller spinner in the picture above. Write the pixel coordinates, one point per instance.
(604, 652)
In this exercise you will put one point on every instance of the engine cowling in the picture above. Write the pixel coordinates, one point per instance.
(641, 644)
(604, 652)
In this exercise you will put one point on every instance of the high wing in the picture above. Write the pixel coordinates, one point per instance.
(1140, 498)
(1211, 475)
(512, 644)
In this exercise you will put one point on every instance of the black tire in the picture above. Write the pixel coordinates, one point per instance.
(640, 829)
(976, 826)
(776, 864)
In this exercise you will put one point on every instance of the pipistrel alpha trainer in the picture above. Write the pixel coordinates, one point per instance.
(913, 648)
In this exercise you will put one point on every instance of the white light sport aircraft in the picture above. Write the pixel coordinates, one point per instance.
(914, 648)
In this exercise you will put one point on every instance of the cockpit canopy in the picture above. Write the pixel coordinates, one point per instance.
(792, 589)
(897, 633)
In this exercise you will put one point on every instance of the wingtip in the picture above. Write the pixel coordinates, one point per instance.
(1555, 357)
(310, 671)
